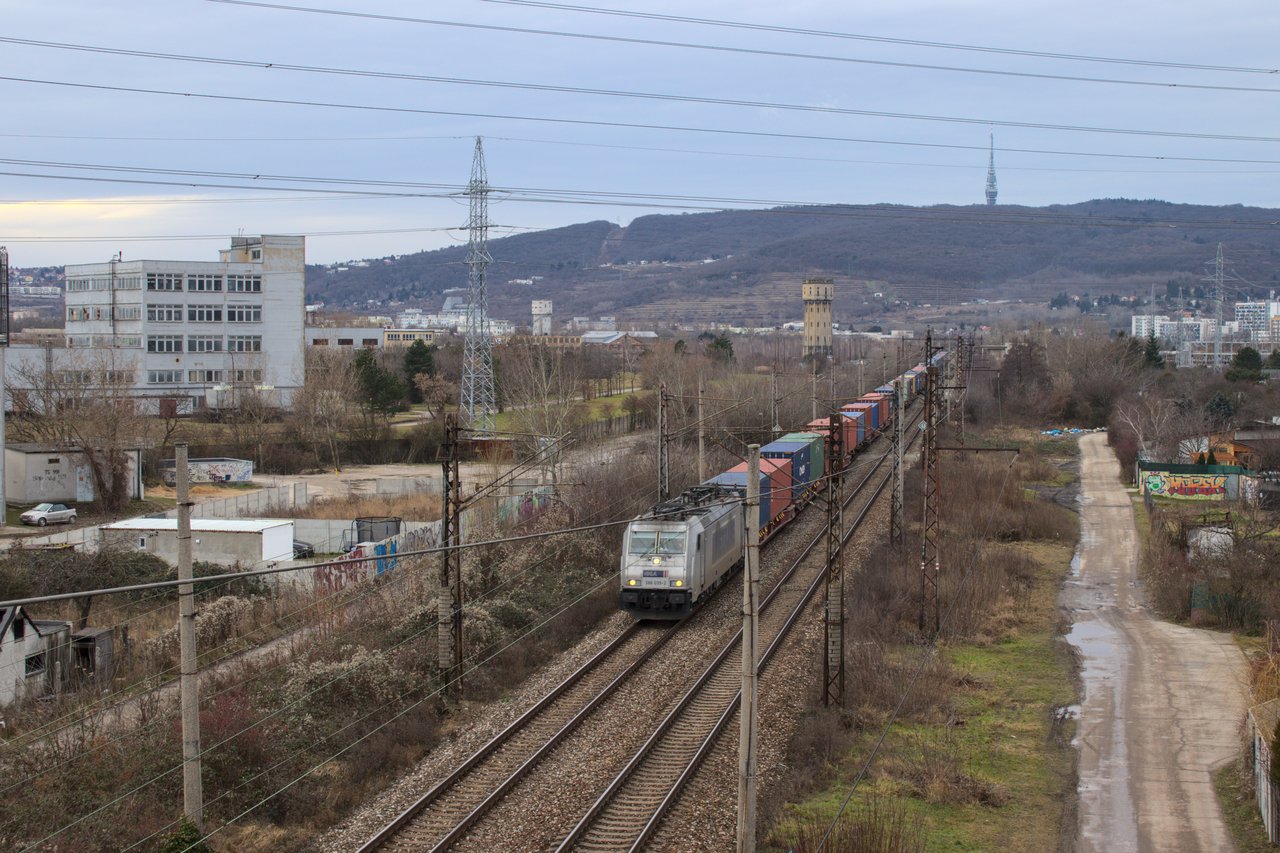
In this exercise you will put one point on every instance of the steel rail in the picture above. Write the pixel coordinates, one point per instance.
(711, 670)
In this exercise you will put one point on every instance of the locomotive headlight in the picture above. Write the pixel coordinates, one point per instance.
(657, 561)
(679, 583)
(631, 582)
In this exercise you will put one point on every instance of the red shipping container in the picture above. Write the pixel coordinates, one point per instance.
(882, 403)
(779, 471)
(848, 434)
(868, 408)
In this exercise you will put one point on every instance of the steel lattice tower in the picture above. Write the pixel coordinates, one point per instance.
(991, 173)
(479, 402)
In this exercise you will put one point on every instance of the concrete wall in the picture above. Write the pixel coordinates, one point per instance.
(221, 470)
(276, 500)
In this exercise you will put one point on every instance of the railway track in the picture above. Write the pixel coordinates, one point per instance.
(443, 816)
(453, 804)
(632, 807)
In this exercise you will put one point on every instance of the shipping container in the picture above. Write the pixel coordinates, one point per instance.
(737, 481)
(871, 411)
(884, 401)
(817, 452)
(858, 422)
(779, 487)
(798, 453)
(848, 433)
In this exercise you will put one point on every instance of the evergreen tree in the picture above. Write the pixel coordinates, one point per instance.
(418, 359)
(1219, 410)
(380, 389)
(1245, 366)
(720, 348)
(1151, 353)
(1273, 361)
(1211, 459)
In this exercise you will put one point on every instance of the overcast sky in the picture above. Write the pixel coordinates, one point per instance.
(46, 218)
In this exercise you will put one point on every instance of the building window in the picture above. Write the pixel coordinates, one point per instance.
(320, 342)
(368, 342)
(128, 312)
(244, 343)
(77, 285)
(254, 375)
(244, 284)
(35, 664)
(164, 377)
(164, 281)
(129, 282)
(164, 313)
(204, 283)
(128, 341)
(204, 313)
(256, 254)
(204, 343)
(345, 342)
(244, 313)
(204, 376)
(164, 343)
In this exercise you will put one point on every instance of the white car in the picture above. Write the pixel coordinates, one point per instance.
(42, 514)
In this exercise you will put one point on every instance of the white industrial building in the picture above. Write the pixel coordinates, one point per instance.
(191, 333)
(36, 472)
(213, 540)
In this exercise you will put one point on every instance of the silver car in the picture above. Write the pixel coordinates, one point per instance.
(42, 514)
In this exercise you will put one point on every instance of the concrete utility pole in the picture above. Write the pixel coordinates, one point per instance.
(702, 437)
(896, 506)
(813, 378)
(833, 600)
(449, 588)
(192, 789)
(664, 461)
(750, 659)
(1218, 299)
(773, 397)
(4, 345)
(930, 565)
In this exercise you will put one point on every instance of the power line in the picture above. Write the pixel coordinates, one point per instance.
(714, 48)
(392, 75)
(988, 122)
(834, 34)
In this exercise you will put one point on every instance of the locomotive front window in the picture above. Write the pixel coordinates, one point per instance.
(649, 542)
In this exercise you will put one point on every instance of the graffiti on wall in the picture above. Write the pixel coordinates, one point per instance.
(1185, 486)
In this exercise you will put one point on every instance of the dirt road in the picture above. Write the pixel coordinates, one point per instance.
(1162, 703)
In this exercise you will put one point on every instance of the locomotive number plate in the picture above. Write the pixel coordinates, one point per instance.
(654, 573)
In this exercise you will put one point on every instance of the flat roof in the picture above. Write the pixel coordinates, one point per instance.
(201, 525)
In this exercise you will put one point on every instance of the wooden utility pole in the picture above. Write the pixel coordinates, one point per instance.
(192, 787)
(833, 602)
(774, 426)
(747, 743)
(449, 588)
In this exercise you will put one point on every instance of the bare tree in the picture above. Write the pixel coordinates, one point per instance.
(84, 400)
(327, 405)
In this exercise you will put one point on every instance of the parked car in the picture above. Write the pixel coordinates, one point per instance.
(302, 550)
(42, 514)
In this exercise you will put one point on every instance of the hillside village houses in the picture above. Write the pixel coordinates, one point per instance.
(187, 333)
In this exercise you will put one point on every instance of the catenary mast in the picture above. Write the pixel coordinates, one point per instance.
(478, 399)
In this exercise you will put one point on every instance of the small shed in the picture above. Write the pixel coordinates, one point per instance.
(34, 655)
(35, 472)
(215, 540)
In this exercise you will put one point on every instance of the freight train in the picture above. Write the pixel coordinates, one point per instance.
(676, 554)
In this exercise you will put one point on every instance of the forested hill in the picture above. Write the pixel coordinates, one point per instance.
(746, 265)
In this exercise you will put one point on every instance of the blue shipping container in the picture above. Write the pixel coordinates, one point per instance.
(817, 449)
(798, 452)
(862, 424)
(737, 480)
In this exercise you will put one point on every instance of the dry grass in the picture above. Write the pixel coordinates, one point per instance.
(411, 507)
(870, 826)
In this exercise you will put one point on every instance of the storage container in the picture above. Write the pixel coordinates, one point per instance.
(817, 451)
(798, 452)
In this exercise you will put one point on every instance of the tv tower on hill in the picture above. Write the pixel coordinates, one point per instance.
(991, 173)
